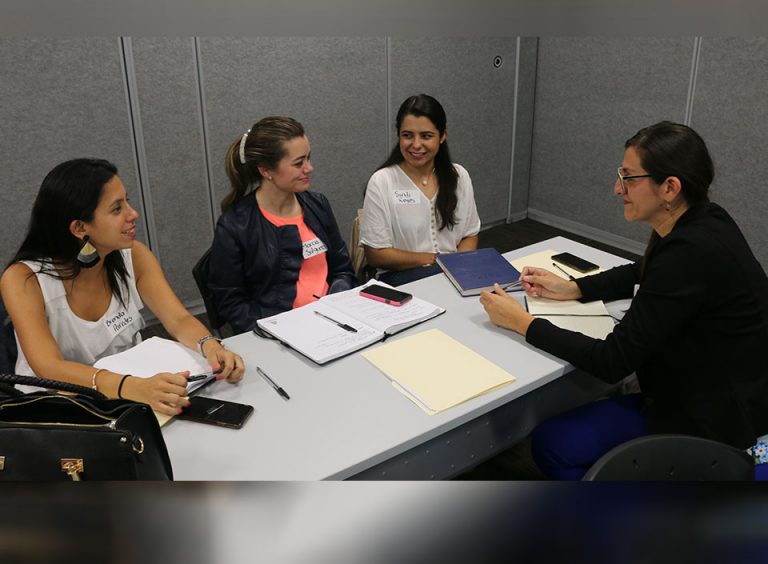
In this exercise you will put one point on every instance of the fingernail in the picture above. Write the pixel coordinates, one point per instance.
(180, 411)
(219, 377)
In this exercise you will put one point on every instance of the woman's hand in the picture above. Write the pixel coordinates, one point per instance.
(231, 365)
(505, 311)
(164, 392)
(541, 283)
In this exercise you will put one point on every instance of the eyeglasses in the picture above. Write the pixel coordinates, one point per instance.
(622, 178)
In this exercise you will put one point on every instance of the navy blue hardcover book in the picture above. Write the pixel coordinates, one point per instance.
(474, 271)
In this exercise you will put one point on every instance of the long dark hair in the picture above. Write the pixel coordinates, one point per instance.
(71, 191)
(673, 149)
(262, 146)
(447, 177)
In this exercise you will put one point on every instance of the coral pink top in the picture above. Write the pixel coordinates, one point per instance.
(313, 276)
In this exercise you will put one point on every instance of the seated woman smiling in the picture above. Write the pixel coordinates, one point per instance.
(75, 288)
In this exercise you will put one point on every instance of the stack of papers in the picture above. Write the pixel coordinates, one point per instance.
(590, 318)
(157, 355)
(435, 371)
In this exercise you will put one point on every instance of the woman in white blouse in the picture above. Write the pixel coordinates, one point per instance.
(418, 204)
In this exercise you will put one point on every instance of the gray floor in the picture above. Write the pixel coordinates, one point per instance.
(515, 463)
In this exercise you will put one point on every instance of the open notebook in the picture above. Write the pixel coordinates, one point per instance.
(349, 322)
(590, 318)
(157, 355)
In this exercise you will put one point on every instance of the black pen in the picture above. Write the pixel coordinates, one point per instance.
(564, 272)
(271, 382)
(198, 377)
(339, 323)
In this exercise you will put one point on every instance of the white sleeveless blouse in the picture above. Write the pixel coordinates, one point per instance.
(87, 341)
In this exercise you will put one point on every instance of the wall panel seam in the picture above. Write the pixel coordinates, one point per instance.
(140, 154)
(204, 132)
(692, 82)
(388, 109)
(514, 130)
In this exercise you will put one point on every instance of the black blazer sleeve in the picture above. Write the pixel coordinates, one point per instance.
(672, 292)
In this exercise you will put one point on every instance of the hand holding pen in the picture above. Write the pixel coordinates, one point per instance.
(541, 283)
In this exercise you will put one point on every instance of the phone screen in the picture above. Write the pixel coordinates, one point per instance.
(217, 412)
(386, 295)
(575, 262)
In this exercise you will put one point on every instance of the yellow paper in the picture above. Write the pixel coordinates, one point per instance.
(436, 371)
(544, 260)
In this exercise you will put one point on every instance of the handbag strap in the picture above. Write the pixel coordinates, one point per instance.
(51, 385)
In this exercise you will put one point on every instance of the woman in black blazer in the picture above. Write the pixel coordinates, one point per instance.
(696, 332)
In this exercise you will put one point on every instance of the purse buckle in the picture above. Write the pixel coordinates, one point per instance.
(73, 467)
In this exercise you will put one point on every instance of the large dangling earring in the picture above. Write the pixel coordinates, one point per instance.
(87, 257)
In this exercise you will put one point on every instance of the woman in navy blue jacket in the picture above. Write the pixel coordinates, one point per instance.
(277, 246)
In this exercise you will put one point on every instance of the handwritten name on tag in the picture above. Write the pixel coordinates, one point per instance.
(119, 321)
(313, 247)
(406, 197)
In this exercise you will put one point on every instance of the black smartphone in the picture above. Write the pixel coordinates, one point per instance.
(575, 262)
(386, 295)
(217, 412)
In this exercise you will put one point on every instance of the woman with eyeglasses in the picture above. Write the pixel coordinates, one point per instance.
(697, 329)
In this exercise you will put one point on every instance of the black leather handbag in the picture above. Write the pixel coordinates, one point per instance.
(77, 435)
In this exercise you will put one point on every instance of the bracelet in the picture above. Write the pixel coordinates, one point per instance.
(202, 340)
(120, 387)
(93, 379)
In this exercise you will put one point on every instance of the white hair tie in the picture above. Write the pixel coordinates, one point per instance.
(242, 146)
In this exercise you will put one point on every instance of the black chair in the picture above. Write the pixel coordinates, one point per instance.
(673, 458)
(200, 273)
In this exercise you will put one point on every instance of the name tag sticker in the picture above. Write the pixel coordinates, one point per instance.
(118, 321)
(406, 197)
(313, 247)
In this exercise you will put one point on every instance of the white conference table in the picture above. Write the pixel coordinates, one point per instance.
(345, 420)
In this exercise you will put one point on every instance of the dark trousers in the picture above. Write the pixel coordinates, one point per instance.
(565, 446)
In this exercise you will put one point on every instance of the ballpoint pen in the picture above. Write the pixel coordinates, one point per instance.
(198, 377)
(563, 271)
(339, 323)
(271, 382)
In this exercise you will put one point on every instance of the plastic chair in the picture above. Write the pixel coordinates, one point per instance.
(200, 274)
(673, 458)
(363, 272)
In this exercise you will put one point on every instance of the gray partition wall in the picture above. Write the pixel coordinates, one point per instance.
(59, 99)
(591, 95)
(730, 110)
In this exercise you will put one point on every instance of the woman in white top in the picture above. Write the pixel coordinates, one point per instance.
(418, 204)
(77, 283)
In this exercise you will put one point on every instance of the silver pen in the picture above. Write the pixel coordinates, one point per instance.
(563, 271)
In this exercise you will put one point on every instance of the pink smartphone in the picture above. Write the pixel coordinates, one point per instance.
(386, 295)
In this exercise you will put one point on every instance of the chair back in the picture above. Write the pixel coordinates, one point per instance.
(356, 252)
(200, 274)
(673, 458)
